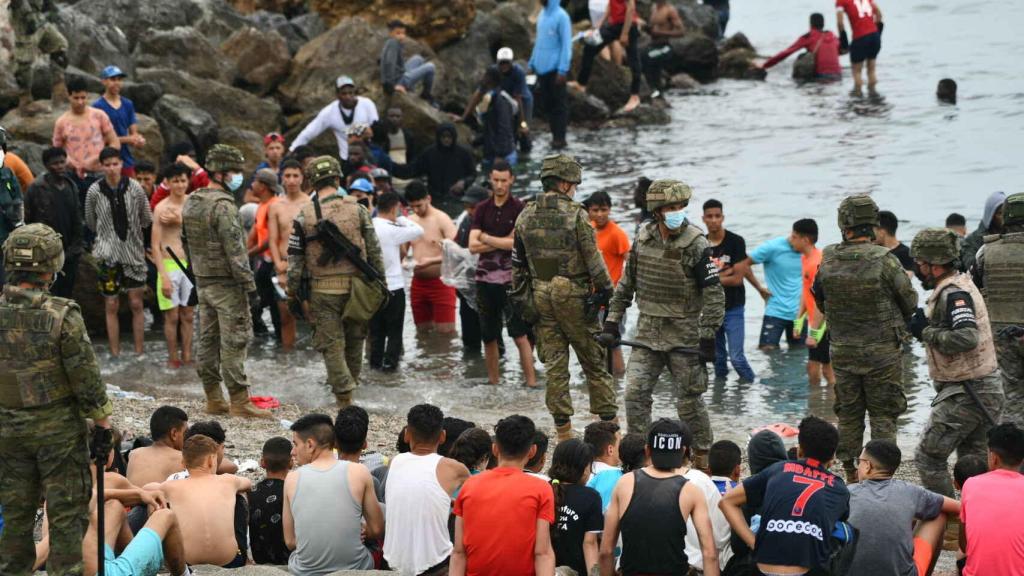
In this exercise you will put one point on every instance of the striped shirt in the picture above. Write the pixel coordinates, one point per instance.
(99, 217)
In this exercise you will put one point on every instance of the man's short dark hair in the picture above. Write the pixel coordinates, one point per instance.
(453, 428)
(165, 419)
(77, 84)
(887, 221)
(291, 163)
(350, 429)
(395, 24)
(176, 169)
(501, 165)
(53, 153)
(540, 440)
(303, 152)
(277, 454)
(401, 446)
(712, 203)
(818, 439)
(416, 190)
(640, 192)
(968, 467)
(514, 435)
(817, 21)
(886, 453)
(108, 153)
(316, 426)
(387, 201)
(631, 451)
(956, 219)
(1007, 441)
(492, 77)
(209, 428)
(724, 457)
(146, 167)
(946, 90)
(600, 199)
(425, 422)
(600, 435)
(807, 228)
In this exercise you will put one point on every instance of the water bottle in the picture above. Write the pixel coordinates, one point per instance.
(281, 294)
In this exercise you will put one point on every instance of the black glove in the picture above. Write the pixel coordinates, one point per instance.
(295, 308)
(918, 323)
(707, 350)
(609, 336)
(844, 42)
(1012, 332)
(599, 299)
(881, 26)
(102, 442)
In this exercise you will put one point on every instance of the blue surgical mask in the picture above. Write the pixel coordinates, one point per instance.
(676, 219)
(235, 182)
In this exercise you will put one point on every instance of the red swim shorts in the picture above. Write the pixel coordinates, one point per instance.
(432, 301)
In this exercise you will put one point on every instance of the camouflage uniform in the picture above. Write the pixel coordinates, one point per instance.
(999, 272)
(49, 384)
(215, 247)
(339, 340)
(556, 251)
(867, 298)
(961, 354)
(681, 303)
(32, 33)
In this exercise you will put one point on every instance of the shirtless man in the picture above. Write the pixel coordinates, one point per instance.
(205, 505)
(173, 287)
(664, 25)
(281, 216)
(433, 302)
(167, 427)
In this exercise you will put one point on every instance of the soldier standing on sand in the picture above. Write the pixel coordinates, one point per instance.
(999, 272)
(556, 252)
(682, 304)
(49, 384)
(32, 33)
(340, 340)
(868, 299)
(215, 248)
(961, 356)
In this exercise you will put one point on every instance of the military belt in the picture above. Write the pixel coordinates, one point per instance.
(332, 285)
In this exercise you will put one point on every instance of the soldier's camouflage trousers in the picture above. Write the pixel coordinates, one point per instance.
(956, 424)
(689, 381)
(563, 324)
(340, 342)
(872, 387)
(225, 329)
(46, 40)
(54, 465)
(1011, 363)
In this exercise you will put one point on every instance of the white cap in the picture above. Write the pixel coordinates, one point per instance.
(506, 55)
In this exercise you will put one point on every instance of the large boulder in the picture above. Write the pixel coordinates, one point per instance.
(228, 105)
(249, 142)
(260, 58)
(33, 123)
(92, 44)
(608, 81)
(9, 89)
(182, 49)
(295, 32)
(142, 94)
(31, 153)
(737, 40)
(309, 25)
(739, 63)
(695, 54)
(288, 8)
(644, 114)
(436, 22)
(154, 148)
(422, 119)
(182, 120)
(585, 108)
(698, 17)
(136, 19)
(217, 20)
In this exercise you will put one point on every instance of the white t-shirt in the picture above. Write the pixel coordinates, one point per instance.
(330, 118)
(719, 525)
(392, 235)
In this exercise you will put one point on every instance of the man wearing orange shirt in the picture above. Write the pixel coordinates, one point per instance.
(267, 188)
(819, 360)
(613, 244)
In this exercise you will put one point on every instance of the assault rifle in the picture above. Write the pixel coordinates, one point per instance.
(337, 247)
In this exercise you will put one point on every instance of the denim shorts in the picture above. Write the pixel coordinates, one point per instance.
(772, 329)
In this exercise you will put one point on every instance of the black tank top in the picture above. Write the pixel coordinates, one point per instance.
(653, 528)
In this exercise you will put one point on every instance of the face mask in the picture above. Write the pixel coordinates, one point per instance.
(676, 219)
(235, 182)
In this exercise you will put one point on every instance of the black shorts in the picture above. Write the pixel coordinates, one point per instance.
(822, 352)
(865, 48)
(495, 310)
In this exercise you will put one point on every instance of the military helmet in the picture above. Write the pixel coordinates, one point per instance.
(323, 167)
(936, 246)
(1013, 210)
(224, 158)
(857, 210)
(563, 167)
(665, 192)
(35, 248)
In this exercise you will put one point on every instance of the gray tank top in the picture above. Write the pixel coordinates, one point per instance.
(327, 524)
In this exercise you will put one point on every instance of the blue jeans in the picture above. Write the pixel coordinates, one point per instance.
(772, 329)
(731, 333)
(418, 70)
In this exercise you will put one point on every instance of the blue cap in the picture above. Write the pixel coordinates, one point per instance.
(362, 185)
(111, 72)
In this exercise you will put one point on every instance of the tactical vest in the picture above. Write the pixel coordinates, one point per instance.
(550, 239)
(968, 365)
(665, 284)
(32, 375)
(209, 260)
(1004, 278)
(332, 278)
(860, 311)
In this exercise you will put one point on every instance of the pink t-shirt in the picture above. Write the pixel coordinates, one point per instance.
(82, 138)
(992, 509)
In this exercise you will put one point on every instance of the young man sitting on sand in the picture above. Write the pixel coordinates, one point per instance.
(167, 427)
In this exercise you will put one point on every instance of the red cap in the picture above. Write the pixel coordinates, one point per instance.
(273, 137)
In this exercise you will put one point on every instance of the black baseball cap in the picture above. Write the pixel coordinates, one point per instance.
(668, 440)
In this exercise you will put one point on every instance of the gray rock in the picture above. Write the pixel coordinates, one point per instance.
(249, 142)
(31, 153)
(698, 17)
(271, 22)
(695, 54)
(736, 63)
(309, 25)
(184, 49)
(608, 81)
(9, 89)
(260, 58)
(737, 40)
(217, 20)
(93, 83)
(644, 114)
(142, 94)
(136, 19)
(181, 119)
(93, 45)
(684, 81)
(586, 108)
(422, 119)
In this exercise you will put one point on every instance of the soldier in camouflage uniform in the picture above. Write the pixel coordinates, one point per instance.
(33, 33)
(49, 384)
(556, 252)
(215, 246)
(682, 304)
(961, 353)
(867, 298)
(999, 272)
(339, 340)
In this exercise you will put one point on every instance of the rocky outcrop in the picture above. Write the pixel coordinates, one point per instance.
(142, 94)
(249, 142)
(737, 40)
(154, 148)
(436, 22)
(138, 20)
(295, 32)
(182, 120)
(738, 63)
(695, 54)
(698, 17)
(289, 8)
(608, 81)
(586, 108)
(92, 44)
(642, 115)
(182, 49)
(422, 119)
(260, 58)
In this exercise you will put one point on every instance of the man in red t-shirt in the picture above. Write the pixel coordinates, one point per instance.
(820, 42)
(503, 517)
(184, 153)
(866, 22)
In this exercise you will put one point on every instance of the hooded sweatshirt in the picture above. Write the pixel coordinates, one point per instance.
(552, 52)
(765, 448)
(973, 242)
(442, 165)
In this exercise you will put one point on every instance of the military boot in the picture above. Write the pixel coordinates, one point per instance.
(564, 432)
(241, 406)
(700, 461)
(216, 404)
(343, 399)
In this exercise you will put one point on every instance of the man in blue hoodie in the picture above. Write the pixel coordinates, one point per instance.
(552, 55)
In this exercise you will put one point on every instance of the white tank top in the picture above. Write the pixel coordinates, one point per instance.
(416, 517)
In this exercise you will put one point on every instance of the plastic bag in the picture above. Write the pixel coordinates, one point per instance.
(458, 270)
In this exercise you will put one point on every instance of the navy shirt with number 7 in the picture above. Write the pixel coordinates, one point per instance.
(800, 503)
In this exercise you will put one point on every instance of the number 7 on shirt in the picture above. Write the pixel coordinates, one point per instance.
(812, 487)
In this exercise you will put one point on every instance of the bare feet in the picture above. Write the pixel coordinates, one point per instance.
(631, 104)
